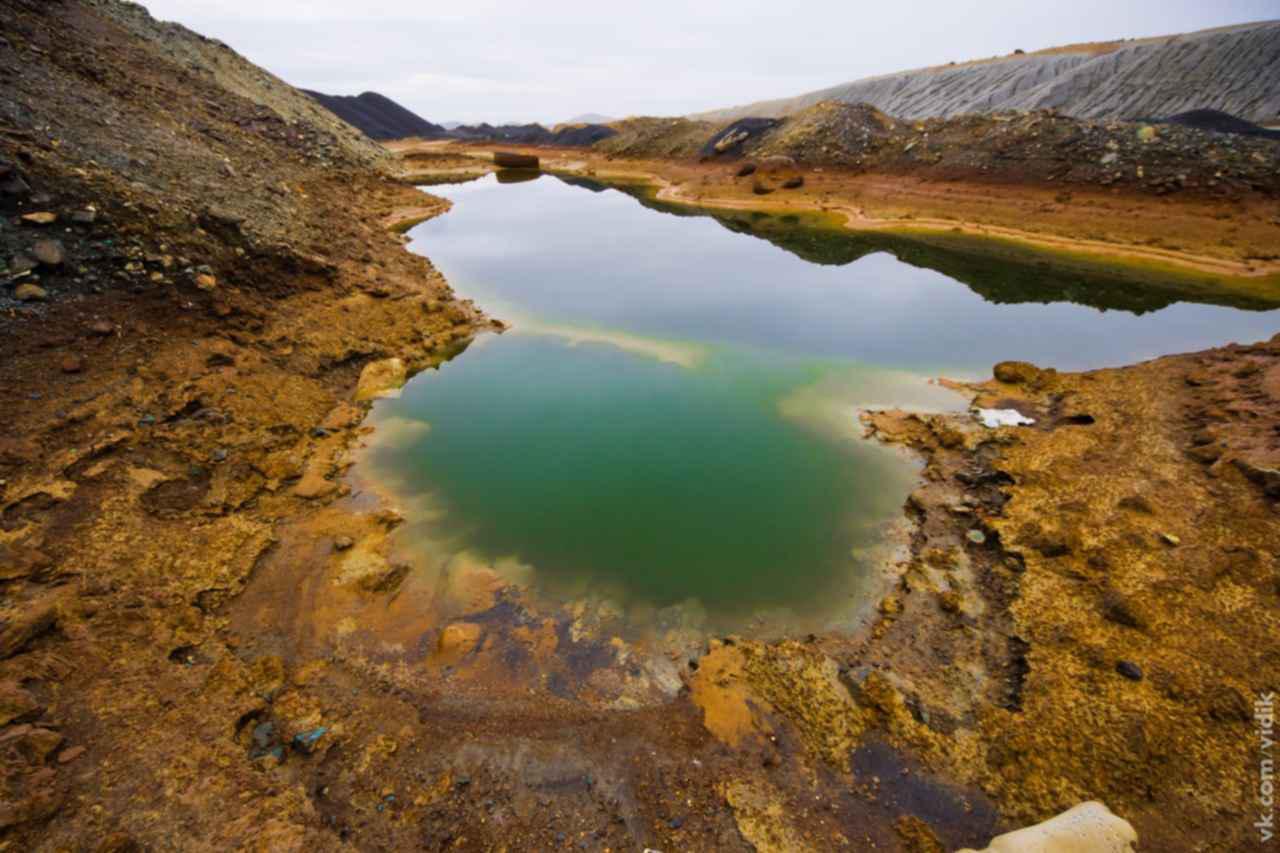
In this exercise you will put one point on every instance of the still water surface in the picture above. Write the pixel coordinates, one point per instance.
(673, 417)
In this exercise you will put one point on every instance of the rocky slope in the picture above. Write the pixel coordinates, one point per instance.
(1043, 147)
(1235, 70)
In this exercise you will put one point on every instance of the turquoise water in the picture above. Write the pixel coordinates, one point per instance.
(673, 415)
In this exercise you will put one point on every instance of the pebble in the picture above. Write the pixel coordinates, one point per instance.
(85, 217)
(69, 755)
(102, 328)
(977, 537)
(1170, 539)
(343, 543)
(49, 252)
(206, 282)
(30, 293)
(43, 217)
(72, 364)
(1129, 670)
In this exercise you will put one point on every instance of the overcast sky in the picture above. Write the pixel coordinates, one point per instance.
(474, 60)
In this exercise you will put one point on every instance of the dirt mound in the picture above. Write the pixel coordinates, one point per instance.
(1219, 122)
(830, 132)
(658, 137)
(377, 116)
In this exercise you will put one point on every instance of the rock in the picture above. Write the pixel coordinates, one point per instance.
(950, 601)
(1087, 827)
(221, 354)
(88, 216)
(1129, 670)
(777, 162)
(746, 169)
(72, 363)
(305, 742)
(69, 755)
(455, 642)
(511, 160)
(314, 485)
(16, 704)
(15, 186)
(40, 218)
(794, 183)
(206, 282)
(1267, 478)
(50, 253)
(976, 536)
(30, 293)
(1147, 133)
(890, 605)
(343, 543)
(101, 328)
(33, 743)
(380, 379)
(21, 264)
(1170, 539)
(1016, 372)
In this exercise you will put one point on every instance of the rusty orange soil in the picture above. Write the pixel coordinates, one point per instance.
(206, 631)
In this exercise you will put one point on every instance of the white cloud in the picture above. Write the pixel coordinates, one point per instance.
(503, 61)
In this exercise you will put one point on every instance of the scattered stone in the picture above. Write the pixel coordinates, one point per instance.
(343, 543)
(793, 183)
(976, 536)
(22, 264)
(72, 363)
(50, 253)
(1170, 539)
(1129, 670)
(305, 742)
(30, 293)
(206, 282)
(43, 217)
(746, 169)
(102, 328)
(69, 755)
(88, 216)
(1016, 372)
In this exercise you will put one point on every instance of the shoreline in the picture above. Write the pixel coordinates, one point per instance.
(671, 182)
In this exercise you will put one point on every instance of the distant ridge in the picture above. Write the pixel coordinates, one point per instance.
(1234, 69)
(378, 116)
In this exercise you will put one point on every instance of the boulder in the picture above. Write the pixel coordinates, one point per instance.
(511, 160)
(1016, 372)
(381, 379)
(1087, 827)
(49, 253)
